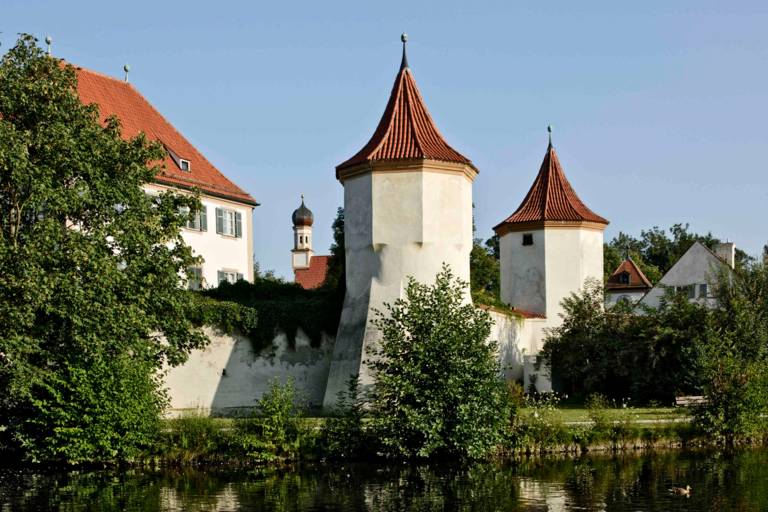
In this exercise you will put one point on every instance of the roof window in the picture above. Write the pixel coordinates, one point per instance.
(184, 165)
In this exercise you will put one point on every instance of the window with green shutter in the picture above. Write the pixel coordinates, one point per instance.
(229, 222)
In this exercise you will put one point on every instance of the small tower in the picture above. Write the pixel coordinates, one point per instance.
(301, 255)
(548, 248)
(407, 210)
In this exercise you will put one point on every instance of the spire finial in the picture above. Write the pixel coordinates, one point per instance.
(48, 41)
(126, 68)
(549, 130)
(404, 39)
(302, 198)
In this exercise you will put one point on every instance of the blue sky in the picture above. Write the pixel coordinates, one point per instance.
(659, 109)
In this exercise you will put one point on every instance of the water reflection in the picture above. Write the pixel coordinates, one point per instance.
(719, 482)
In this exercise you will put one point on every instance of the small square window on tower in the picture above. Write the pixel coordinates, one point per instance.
(527, 238)
(184, 165)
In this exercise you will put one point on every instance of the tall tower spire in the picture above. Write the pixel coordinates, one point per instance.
(407, 209)
(404, 62)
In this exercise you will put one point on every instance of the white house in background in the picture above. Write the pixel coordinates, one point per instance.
(222, 232)
(627, 283)
(694, 273)
(548, 248)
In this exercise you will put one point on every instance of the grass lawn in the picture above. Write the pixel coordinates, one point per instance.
(579, 414)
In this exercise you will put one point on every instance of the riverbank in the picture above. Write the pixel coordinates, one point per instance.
(194, 440)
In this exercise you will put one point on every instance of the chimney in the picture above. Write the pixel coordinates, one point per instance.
(727, 252)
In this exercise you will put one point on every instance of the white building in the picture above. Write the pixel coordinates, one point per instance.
(694, 273)
(548, 248)
(627, 283)
(408, 210)
(222, 232)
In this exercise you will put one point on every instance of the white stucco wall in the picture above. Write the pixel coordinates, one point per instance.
(220, 252)
(538, 277)
(573, 255)
(228, 376)
(523, 274)
(697, 266)
(397, 224)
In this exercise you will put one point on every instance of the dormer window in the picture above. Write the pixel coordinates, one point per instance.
(184, 165)
(624, 278)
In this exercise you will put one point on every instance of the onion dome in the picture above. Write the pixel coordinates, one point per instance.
(406, 131)
(551, 199)
(302, 216)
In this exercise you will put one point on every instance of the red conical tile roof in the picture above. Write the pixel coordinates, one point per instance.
(551, 198)
(637, 279)
(406, 130)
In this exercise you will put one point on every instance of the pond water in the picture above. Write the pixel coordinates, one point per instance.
(719, 482)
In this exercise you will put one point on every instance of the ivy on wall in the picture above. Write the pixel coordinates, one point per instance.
(261, 309)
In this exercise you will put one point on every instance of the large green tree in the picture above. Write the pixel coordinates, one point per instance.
(438, 389)
(91, 306)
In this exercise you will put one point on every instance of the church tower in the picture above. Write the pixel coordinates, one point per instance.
(408, 210)
(301, 255)
(548, 247)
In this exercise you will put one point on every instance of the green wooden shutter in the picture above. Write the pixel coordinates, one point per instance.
(239, 276)
(219, 220)
(203, 218)
(221, 276)
(238, 224)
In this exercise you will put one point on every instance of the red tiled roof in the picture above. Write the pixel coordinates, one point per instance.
(551, 198)
(406, 130)
(637, 279)
(136, 115)
(314, 276)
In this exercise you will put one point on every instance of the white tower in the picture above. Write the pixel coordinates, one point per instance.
(408, 210)
(301, 255)
(548, 248)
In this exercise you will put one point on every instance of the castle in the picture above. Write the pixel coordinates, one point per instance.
(408, 210)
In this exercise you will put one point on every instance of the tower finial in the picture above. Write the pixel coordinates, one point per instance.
(404, 63)
(126, 68)
(549, 130)
(302, 198)
(48, 41)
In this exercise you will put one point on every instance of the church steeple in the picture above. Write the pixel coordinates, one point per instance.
(302, 218)
(406, 131)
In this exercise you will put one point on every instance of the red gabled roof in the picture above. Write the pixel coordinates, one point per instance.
(637, 279)
(552, 198)
(314, 276)
(136, 114)
(406, 130)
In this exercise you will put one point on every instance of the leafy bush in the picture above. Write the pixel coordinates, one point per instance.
(733, 357)
(619, 353)
(344, 435)
(438, 390)
(279, 432)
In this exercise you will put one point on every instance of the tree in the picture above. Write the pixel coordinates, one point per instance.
(91, 306)
(438, 388)
(336, 277)
(734, 357)
(619, 353)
